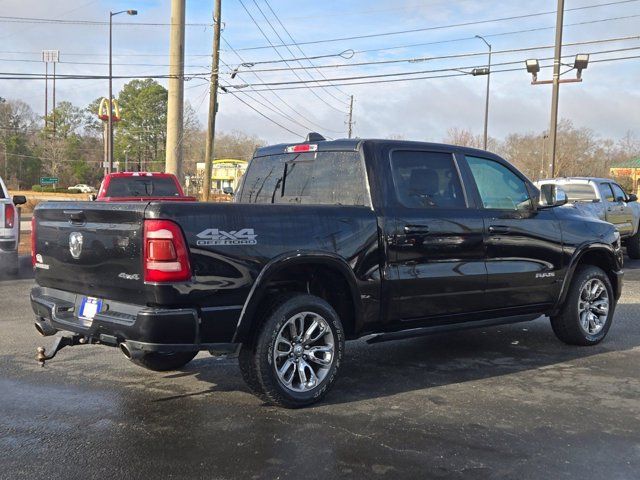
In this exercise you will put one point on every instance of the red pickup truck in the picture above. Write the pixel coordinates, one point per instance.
(141, 186)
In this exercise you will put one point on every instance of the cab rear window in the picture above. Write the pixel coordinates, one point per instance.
(320, 178)
(142, 187)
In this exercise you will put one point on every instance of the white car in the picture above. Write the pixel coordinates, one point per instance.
(9, 230)
(83, 188)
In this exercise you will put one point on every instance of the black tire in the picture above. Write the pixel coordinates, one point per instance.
(249, 371)
(566, 325)
(264, 365)
(163, 362)
(633, 246)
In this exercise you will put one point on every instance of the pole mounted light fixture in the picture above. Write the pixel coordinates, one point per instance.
(533, 67)
(480, 71)
(110, 119)
(581, 63)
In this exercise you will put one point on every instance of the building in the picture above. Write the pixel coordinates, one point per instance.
(629, 169)
(225, 172)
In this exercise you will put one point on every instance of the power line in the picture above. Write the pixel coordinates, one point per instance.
(277, 109)
(438, 27)
(275, 93)
(263, 115)
(439, 57)
(280, 55)
(416, 72)
(59, 21)
(459, 73)
(300, 48)
(500, 34)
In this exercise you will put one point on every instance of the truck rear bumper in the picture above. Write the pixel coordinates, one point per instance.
(142, 328)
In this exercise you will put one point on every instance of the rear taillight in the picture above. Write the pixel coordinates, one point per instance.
(9, 215)
(33, 241)
(166, 258)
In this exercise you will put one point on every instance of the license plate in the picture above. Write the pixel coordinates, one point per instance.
(89, 307)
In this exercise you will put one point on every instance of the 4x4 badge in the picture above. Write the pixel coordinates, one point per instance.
(214, 236)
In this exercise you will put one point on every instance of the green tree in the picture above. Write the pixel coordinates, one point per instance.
(141, 131)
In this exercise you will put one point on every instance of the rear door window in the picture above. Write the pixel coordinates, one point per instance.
(426, 180)
(142, 187)
(579, 192)
(321, 178)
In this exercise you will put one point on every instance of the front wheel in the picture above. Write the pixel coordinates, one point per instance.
(587, 314)
(298, 351)
(163, 362)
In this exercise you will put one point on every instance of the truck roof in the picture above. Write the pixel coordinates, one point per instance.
(343, 144)
(575, 180)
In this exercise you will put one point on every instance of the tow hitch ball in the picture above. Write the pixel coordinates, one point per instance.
(41, 353)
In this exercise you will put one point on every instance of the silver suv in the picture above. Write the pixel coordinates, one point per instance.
(9, 230)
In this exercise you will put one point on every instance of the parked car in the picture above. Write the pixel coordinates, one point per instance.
(326, 241)
(142, 187)
(603, 198)
(82, 188)
(9, 230)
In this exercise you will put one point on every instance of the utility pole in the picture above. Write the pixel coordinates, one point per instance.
(53, 112)
(553, 129)
(46, 95)
(351, 117)
(486, 105)
(175, 105)
(213, 101)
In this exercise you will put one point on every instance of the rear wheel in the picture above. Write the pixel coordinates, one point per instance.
(633, 246)
(162, 362)
(298, 351)
(588, 311)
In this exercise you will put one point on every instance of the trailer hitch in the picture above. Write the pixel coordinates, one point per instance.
(59, 344)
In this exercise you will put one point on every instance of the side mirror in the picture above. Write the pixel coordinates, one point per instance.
(92, 197)
(552, 195)
(632, 197)
(228, 191)
(19, 199)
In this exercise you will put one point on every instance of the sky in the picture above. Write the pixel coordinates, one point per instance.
(607, 101)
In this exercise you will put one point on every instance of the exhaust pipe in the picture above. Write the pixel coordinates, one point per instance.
(131, 354)
(44, 328)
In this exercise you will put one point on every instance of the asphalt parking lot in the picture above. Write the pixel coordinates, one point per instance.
(505, 402)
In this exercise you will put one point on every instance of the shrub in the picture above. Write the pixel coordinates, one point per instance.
(36, 188)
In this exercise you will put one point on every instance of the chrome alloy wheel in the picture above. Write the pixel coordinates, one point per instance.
(593, 306)
(303, 351)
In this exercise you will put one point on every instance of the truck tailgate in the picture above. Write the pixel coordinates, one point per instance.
(91, 248)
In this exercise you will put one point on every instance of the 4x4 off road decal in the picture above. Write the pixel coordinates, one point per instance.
(214, 236)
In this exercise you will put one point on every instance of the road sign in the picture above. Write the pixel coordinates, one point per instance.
(48, 180)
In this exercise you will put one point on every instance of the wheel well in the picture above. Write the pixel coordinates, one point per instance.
(603, 260)
(323, 281)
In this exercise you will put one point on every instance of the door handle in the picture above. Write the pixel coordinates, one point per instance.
(499, 229)
(416, 229)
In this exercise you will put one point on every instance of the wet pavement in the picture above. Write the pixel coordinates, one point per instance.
(504, 402)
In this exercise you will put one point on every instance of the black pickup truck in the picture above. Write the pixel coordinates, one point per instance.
(325, 241)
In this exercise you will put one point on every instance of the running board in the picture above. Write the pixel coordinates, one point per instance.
(423, 331)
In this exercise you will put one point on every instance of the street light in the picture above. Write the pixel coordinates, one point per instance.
(533, 67)
(581, 63)
(485, 71)
(111, 15)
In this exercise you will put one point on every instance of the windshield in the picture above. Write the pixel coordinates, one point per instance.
(321, 178)
(142, 187)
(579, 192)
